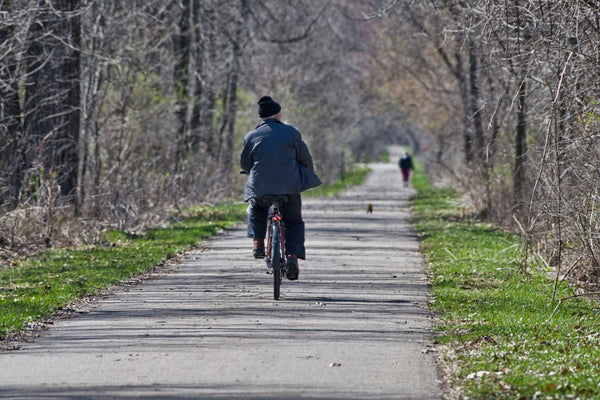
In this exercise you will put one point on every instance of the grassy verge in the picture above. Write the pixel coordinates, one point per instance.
(494, 327)
(384, 157)
(39, 287)
(354, 177)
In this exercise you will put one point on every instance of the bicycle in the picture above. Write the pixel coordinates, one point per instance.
(275, 255)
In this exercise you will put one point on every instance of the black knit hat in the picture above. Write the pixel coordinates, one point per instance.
(267, 107)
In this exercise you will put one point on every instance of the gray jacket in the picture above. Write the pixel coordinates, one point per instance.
(277, 160)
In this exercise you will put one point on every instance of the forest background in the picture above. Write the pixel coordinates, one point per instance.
(116, 114)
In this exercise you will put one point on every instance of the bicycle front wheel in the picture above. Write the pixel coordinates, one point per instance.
(276, 263)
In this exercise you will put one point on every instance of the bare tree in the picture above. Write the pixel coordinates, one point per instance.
(40, 86)
(11, 133)
(124, 110)
(51, 101)
(526, 75)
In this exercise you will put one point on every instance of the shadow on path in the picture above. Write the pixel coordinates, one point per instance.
(356, 325)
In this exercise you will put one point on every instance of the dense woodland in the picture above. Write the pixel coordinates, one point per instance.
(117, 113)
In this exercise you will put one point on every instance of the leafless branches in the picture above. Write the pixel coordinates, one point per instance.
(525, 76)
(118, 112)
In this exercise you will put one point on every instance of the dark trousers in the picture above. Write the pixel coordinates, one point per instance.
(291, 212)
(405, 174)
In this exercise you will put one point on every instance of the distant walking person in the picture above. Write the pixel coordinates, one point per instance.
(277, 162)
(405, 166)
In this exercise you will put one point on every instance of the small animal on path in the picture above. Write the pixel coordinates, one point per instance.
(369, 208)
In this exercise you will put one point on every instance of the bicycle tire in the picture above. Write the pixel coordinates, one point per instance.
(276, 262)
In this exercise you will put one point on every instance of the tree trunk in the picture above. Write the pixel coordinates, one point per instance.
(52, 99)
(464, 95)
(11, 133)
(204, 112)
(474, 101)
(520, 146)
(183, 43)
(226, 149)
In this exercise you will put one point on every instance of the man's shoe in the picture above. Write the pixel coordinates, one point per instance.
(259, 248)
(258, 253)
(292, 269)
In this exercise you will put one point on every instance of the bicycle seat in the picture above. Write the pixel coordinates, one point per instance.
(275, 198)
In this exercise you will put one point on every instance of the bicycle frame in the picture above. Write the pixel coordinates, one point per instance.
(275, 256)
(275, 222)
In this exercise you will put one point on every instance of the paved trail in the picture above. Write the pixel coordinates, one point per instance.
(355, 326)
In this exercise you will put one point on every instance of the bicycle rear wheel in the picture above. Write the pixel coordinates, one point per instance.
(276, 263)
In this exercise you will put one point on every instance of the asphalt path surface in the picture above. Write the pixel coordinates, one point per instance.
(354, 326)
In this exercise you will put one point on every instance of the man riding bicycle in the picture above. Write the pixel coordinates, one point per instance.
(277, 162)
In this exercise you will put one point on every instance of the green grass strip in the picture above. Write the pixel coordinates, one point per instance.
(356, 176)
(38, 287)
(494, 325)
